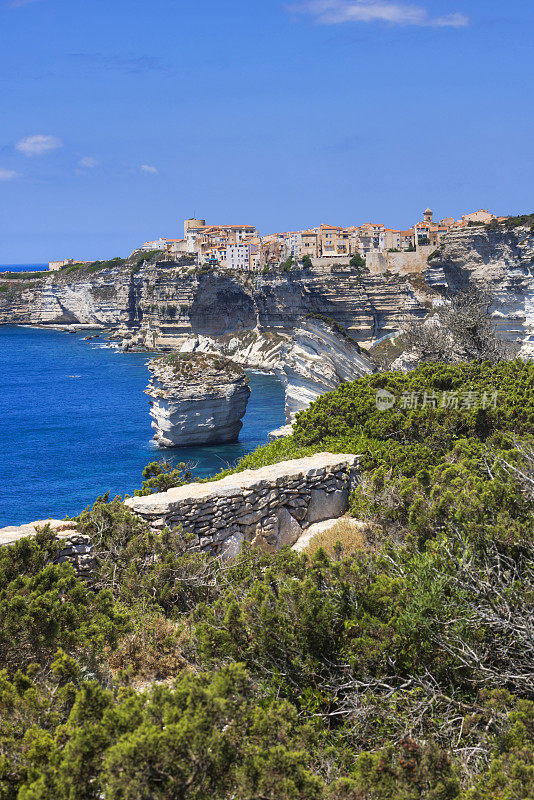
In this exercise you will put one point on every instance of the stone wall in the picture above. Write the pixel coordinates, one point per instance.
(399, 263)
(76, 547)
(269, 507)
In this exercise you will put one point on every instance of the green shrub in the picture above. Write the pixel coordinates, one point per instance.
(357, 261)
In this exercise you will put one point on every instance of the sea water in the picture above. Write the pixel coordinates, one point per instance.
(23, 267)
(75, 423)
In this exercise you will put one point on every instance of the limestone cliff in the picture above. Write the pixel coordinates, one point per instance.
(501, 256)
(196, 399)
(319, 358)
(159, 304)
(255, 349)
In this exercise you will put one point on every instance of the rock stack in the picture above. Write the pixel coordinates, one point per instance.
(196, 399)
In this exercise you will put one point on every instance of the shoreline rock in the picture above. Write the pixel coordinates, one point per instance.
(320, 357)
(196, 399)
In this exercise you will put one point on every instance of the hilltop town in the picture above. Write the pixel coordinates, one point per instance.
(240, 247)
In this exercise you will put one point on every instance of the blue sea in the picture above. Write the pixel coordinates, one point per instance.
(75, 423)
(23, 267)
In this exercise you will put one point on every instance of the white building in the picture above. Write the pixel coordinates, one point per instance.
(53, 266)
(479, 216)
(176, 247)
(243, 256)
(156, 244)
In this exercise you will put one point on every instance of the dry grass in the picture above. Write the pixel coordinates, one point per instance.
(151, 652)
(346, 532)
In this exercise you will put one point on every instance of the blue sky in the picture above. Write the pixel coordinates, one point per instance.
(119, 119)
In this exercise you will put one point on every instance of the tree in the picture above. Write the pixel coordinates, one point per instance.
(287, 265)
(357, 261)
(462, 329)
(307, 262)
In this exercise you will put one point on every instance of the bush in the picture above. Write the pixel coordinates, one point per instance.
(44, 606)
(287, 265)
(395, 671)
(357, 261)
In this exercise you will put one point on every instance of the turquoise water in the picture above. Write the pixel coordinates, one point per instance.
(75, 423)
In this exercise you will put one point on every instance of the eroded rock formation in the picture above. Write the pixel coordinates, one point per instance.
(162, 304)
(503, 259)
(320, 357)
(196, 399)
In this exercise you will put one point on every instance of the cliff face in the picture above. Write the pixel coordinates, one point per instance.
(196, 400)
(102, 299)
(161, 304)
(318, 360)
(501, 257)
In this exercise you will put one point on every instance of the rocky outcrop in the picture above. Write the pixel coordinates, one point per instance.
(320, 357)
(255, 349)
(196, 399)
(160, 305)
(268, 507)
(500, 256)
(317, 358)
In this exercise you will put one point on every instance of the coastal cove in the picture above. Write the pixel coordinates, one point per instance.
(76, 424)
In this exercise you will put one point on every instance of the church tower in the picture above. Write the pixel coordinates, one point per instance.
(428, 217)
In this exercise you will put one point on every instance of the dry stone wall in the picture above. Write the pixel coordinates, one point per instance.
(268, 507)
(77, 548)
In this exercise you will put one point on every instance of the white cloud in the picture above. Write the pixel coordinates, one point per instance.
(149, 169)
(88, 162)
(38, 144)
(332, 12)
(7, 174)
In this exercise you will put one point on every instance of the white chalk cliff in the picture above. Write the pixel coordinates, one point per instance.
(196, 399)
(320, 358)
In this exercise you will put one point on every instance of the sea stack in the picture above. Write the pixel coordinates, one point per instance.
(196, 399)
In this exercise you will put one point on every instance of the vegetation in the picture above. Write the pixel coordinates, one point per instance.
(96, 266)
(514, 222)
(193, 367)
(335, 326)
(288, 264)
(395, 662)
(461, 329)
(307, 263)
(357, 261)
(23, 276)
